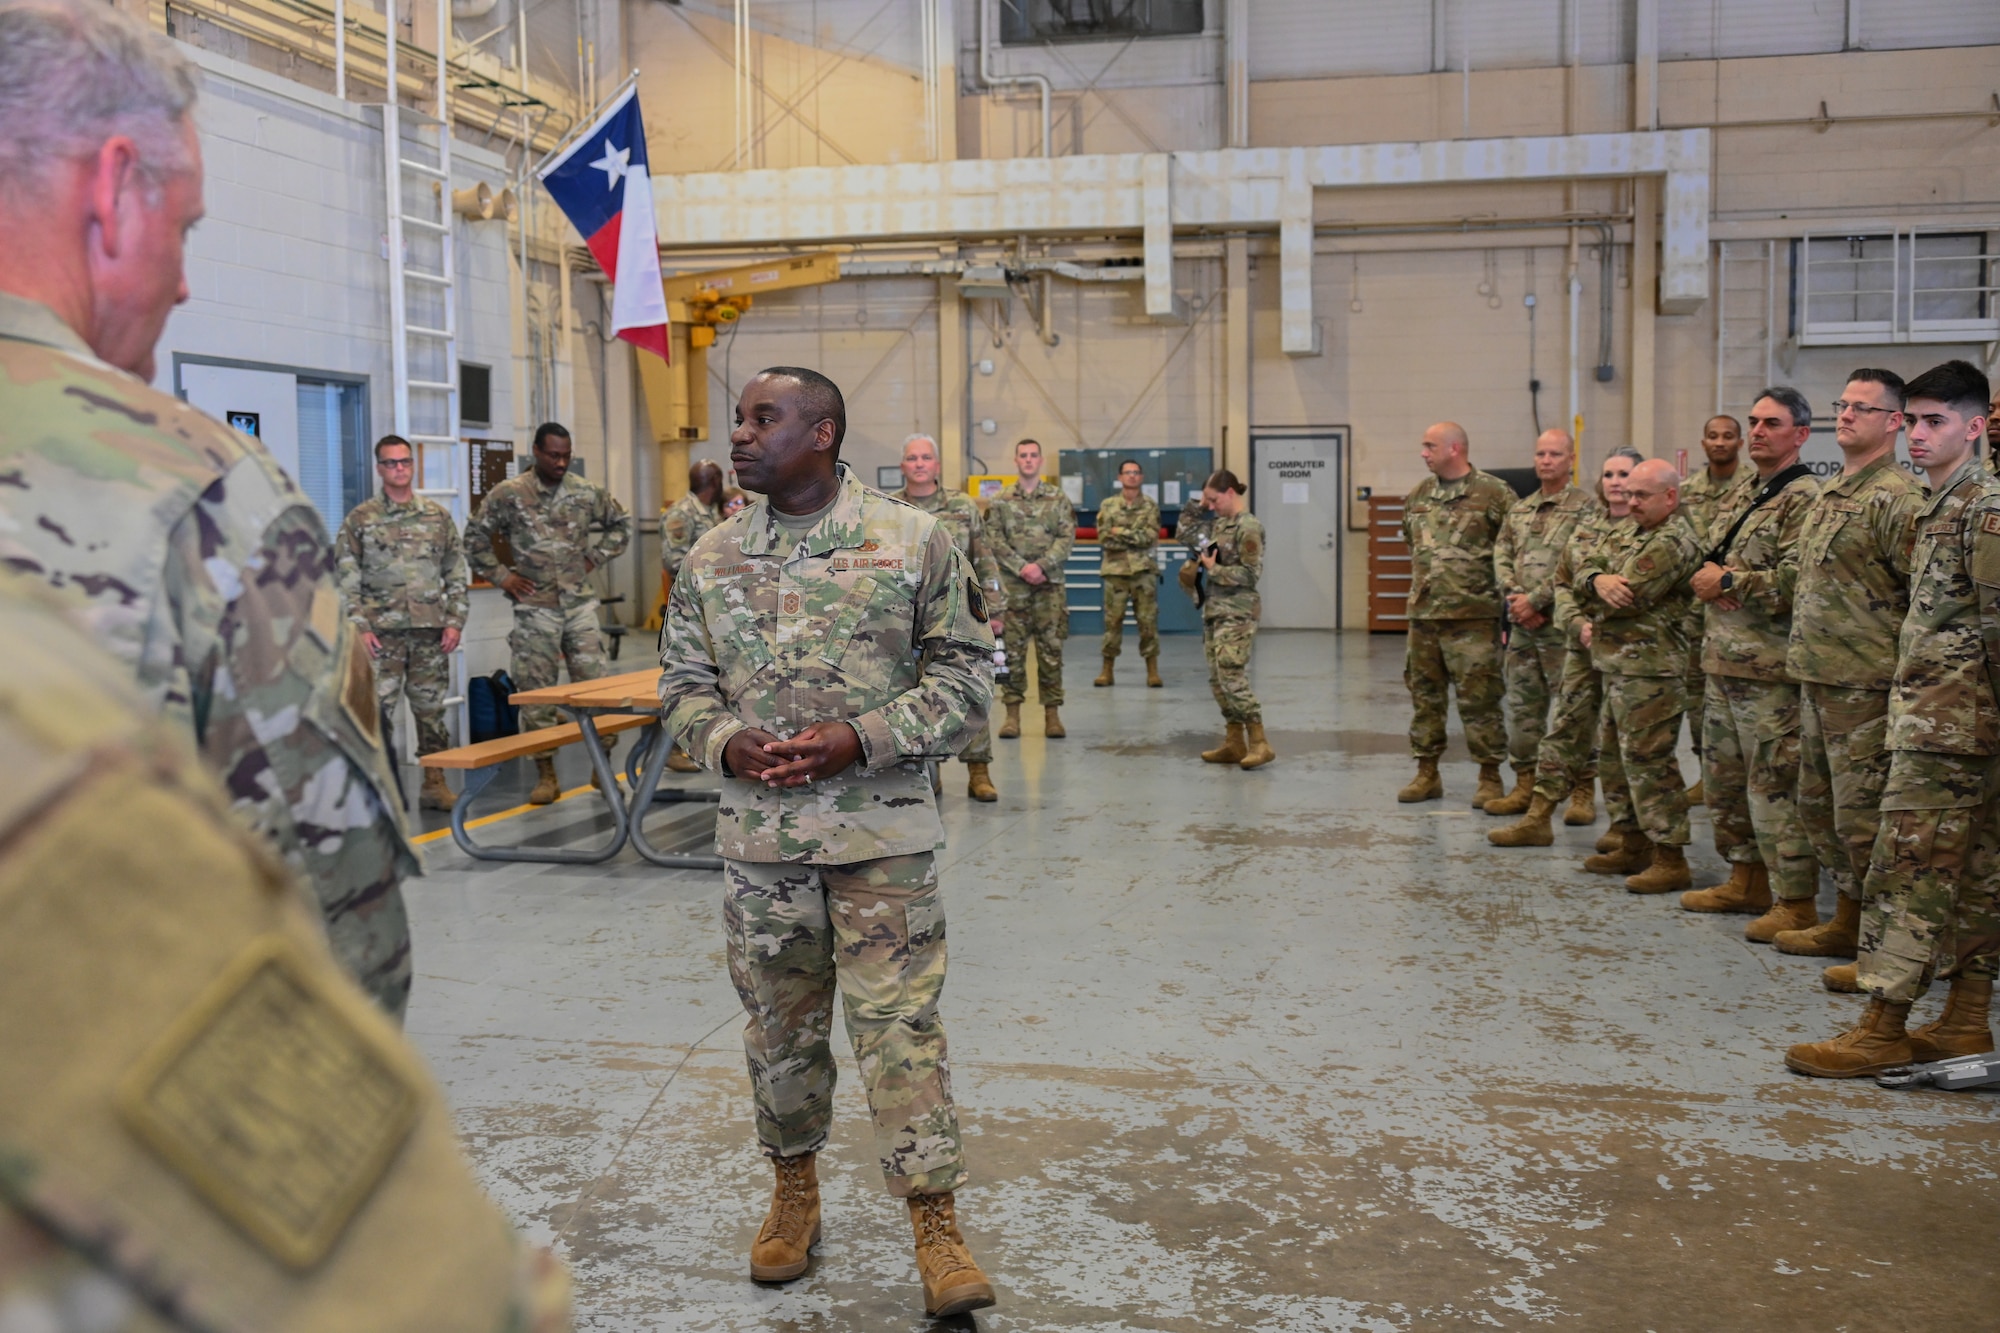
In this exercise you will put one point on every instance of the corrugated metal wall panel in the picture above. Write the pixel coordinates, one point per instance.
(1730, 29)
(1503, 34)
(1907, 24)
(1312, 39)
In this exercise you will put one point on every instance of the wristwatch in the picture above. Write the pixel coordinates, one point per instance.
(1728, 580)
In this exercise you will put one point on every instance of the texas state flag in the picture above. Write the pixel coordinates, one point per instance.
(600, 182)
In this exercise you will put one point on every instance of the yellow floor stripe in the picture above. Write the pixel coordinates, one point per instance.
(495, 818)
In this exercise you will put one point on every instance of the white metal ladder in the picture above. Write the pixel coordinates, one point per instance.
(1746, 321)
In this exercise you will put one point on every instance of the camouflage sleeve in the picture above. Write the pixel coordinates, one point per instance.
(479, 530)
(981, 552)
(1542, 596)
(1772, 588)
(951, 698)
(1000, 536)
(691, 680)
(347, 569)
(284, 710)
(1064, 537)
(612, 527)
(1896, 529)
(457, 578)
(1248, 566)
(675, 539)
(1656, 569)
(1503, 559)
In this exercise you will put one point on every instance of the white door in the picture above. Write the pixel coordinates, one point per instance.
(264, 403)
(1295, 491)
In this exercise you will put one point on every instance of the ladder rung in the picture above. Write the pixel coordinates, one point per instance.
(441, 385)
(422, 168)
(434, 279)
(425, 223)
(428, 333)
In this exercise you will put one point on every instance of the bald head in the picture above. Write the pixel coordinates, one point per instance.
(1444, 450)
(1653, 491)
(705, 481)
(1554, 459)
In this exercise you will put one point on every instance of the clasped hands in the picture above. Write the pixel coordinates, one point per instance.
(820, 751)
(1523, 613)
(1707, 585)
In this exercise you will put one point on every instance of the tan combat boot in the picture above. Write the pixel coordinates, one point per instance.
(1668, 872)
(545, 790)
(1425, 786)
(1052, 726)
(1153, 681)
(953, 1284)
(1515, 801)
(1696, 796)
(1232, 749)
(1785, 914)
(1748, 889)
(1531, 829)
(1610, 840)
(1879, 1043)
(1011, 727)
(1962, 1029)
(792, 1228)
(436, 796)
(1842, 979)
(1838, 938)
(1104, 677)
(979, 783)
(1582, 809)
(679, 762)
(1258, 750)
(1632, 853)
(1489, 788)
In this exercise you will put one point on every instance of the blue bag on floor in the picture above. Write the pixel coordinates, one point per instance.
(491, 715)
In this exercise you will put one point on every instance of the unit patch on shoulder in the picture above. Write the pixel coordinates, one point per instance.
(975, 599)
(1990, 523)
(275, 1098)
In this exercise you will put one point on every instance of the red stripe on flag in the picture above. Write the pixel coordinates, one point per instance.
(653, 340)
(604, 245)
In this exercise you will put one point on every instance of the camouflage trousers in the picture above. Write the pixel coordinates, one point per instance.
(877, 929)
(413, 664)
(545, 639)
(978, 750)
(1697, 679)
(1533, 675)
(1932, 897)
(1037, 615)
(1843, 764)
(1462, 655)
(1750, 777)
(1143, 592)
(1226, 642)
(1642, 779)
(1567, 757)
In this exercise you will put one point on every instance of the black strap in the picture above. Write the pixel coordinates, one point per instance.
(1764, 494)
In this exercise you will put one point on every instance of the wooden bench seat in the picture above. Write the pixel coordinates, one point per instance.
(485, 754)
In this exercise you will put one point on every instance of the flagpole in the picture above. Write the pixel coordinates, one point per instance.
(584, 124)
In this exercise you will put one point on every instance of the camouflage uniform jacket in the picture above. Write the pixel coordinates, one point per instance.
(1239, 560)
(682, 524)
(1451, 527)
(1532, 542)
(1752, 640)
(1033, 529)
(1649, 637)
(198, 564)
(1942, 700)
(959, 513)
(401, 566)
(1193, 527)
(1596, 527)
(873, 618)
(1854, 578)
(1703, 495)
(558, 534)
(1127, 534)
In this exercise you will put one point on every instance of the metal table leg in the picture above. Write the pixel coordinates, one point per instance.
(646, 790)
(478, 779)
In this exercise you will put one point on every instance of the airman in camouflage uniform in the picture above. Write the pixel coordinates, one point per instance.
(1930, 895)
(686, 520)
(1633, 590)
(1231, 563)
(1847, 614)
(198, 563)
(1451, 521)
(1703, 495)
(133, 893)
(559, 528)
(1750, 730)
(1530, 545)
(1031, 527)
(1128, 533)
(818, 662)
(958, 514)
(402, 571)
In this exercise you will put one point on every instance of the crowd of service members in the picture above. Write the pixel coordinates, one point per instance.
(1834, 647)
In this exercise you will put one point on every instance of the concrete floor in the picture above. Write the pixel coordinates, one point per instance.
(1260, 1051)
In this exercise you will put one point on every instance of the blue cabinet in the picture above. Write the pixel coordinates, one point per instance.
(1082, 575)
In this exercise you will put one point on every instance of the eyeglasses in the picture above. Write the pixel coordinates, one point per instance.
(387, 463)
(1841, 405)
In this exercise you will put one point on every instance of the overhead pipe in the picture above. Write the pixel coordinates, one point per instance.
(989, 79)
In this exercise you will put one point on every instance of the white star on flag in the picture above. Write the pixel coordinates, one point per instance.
(612, 164)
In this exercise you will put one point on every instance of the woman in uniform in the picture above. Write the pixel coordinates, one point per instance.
(1230, 565)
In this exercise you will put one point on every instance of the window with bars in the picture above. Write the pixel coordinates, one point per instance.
(1030, 22)
(1900, 287)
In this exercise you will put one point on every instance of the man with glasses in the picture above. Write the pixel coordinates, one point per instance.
(402, 574)
(1750, 734)
(1852, 594)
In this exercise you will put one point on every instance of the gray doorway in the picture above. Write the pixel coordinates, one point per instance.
(1297, 485)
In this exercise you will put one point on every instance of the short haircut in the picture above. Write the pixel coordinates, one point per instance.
(1888, 379)
(1124, 463)
(818, 396)
(1027, 439)
(548, 428)
(1222, 479)
(702, 471)
(931, 440)
(1794, 402)
(388, 440)
(1724, 416)
(1959, 385)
